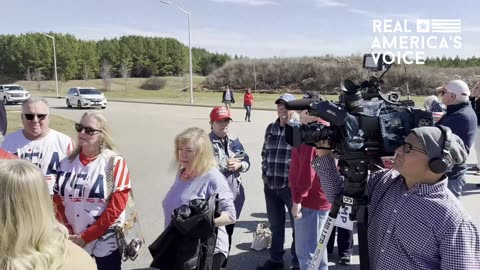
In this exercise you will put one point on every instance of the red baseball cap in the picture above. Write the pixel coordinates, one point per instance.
(219, 113)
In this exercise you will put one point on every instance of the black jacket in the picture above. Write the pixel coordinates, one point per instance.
(189, 240)
(231, 94)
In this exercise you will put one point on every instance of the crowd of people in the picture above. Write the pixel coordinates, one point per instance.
(76, 193)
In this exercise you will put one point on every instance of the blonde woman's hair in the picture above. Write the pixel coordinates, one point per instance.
(31, 237)
(106, 133)
(200, 142)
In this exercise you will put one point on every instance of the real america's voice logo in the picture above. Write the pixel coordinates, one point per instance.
(405, 41)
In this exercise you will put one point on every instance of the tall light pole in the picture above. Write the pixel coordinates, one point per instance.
(54, 60)
(189, 45)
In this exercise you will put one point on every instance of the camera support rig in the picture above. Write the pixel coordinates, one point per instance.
(355, 168)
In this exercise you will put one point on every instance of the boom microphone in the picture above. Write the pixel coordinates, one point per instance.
(300, 104)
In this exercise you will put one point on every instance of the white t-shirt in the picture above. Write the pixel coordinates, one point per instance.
(228, 95)
(46, 153)
(84, 191)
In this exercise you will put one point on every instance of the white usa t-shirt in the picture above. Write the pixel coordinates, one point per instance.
(84, 191)
(46, 153)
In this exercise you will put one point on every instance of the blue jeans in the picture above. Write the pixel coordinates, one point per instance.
(308, 230)
(248, 112)
(277, 200)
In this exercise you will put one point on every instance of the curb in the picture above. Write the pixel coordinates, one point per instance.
(166, 103)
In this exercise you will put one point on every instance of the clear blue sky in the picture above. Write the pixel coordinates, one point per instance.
(254, 28)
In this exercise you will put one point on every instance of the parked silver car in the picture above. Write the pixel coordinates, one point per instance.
(12, 93)
(85, 97)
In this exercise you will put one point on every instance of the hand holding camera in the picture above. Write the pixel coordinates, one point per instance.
(323, 148)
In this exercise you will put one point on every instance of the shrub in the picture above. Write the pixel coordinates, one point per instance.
(324, 74)
(154, 83)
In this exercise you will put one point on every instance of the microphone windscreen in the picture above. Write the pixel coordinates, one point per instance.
(300, 104)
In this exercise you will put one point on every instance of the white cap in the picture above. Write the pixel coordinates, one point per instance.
(457, 87)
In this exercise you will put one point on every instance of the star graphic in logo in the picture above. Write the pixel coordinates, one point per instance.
(423, 26)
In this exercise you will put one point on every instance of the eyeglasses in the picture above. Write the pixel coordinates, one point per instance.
(88, 130)
(31, 116)
(407, 147)
(445, 92)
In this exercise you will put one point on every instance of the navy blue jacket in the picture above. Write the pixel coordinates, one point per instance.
(462, 120)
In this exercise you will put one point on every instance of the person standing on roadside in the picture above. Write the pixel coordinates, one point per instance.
(247, 104)
(227, 97)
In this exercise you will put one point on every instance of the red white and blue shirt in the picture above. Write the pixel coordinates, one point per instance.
(81, 192)
(46, 153)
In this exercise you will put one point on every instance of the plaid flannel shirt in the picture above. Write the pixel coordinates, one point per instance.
(276, 156)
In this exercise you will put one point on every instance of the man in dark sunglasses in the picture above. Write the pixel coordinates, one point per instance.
(414, 220)
(462, 120)
(36, 142)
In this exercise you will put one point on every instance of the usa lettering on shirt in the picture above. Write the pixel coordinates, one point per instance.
(84, 192)
(46, 153)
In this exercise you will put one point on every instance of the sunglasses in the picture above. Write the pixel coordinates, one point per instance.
(31, 116)
(88, 130)
(407, 148)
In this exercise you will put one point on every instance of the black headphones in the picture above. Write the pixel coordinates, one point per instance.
(439, 165)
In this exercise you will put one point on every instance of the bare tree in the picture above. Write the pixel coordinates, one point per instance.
(125, 74)
(86, 72)
(28, 74)
(37, 76)
(106, 74)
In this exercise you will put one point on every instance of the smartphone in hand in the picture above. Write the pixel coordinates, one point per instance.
(240, 155)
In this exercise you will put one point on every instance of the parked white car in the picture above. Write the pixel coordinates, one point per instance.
(12, 93)
(85, 97)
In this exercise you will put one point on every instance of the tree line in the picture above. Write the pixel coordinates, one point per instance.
(28, 56)
(455, 62)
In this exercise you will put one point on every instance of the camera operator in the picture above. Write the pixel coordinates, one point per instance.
(310, 204)
(461, 119)
(414, 220)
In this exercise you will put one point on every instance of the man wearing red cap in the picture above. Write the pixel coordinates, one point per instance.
(231, 159)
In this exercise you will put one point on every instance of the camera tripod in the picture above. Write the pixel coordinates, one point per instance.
(354, 167)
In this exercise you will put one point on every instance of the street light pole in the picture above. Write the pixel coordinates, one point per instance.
(54, 60)
(189, 45)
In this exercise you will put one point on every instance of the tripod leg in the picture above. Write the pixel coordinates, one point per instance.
(326, 232)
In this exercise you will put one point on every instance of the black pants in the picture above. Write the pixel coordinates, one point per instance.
(110, 262)
(218, 260)
(344, 242)
(229, 229)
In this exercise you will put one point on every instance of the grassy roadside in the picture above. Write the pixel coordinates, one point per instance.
(176, 91)
(56, 122)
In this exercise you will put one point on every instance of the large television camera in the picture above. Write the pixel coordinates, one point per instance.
(365, 125)
(363, 120)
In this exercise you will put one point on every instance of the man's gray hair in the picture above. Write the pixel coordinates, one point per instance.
(35, 100)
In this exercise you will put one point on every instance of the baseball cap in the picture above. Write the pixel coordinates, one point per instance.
(432, 140)
(285, 98)
(457, 87)
(219, 113)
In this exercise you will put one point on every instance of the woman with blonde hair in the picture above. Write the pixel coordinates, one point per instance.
(91, 191)
(31, 237)
(199, 178)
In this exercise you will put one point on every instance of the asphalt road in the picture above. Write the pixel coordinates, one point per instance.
(144, 134)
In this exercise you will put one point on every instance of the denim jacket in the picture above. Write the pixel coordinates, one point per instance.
(222, 154)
